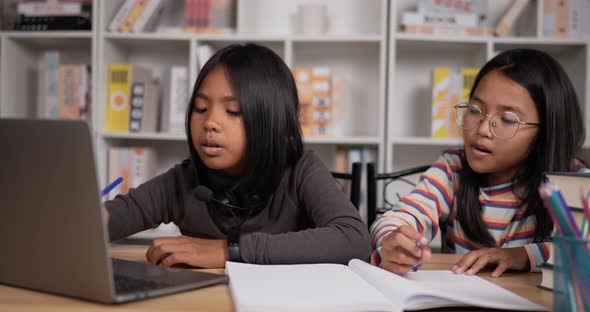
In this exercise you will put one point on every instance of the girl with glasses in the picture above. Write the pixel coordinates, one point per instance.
(522, 119)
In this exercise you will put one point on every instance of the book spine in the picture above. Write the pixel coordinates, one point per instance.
(440, 98)
(49, 106)
(176, 100)
(448, 30)
(479, 7)
(322, 100)
(562, 19)
(549, 18)
(119, 166)
(119, 18)
(510, 17)
(418, 18)
(151, 11)
(118, 109)
(69, 80)
(338, 105)
(83, 87)
(222, 15)
(49, 8)
(302, 77)
(42, 23)
(132, 16)
(137, 104)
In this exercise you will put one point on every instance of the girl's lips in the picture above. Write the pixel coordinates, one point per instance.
(211, 149)
(480, 151)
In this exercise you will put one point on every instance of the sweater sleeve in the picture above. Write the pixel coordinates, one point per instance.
(538, 254)
(339, 234)
(429, 203)
(143, 207)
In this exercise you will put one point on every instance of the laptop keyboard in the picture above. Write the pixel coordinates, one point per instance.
(125, 284)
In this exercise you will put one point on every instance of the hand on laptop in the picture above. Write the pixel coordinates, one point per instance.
(198, 252)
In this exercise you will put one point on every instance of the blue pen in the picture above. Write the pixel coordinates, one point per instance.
(111, 186)
(415, 267)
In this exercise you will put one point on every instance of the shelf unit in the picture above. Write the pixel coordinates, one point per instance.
(264, 22)
(412, 57)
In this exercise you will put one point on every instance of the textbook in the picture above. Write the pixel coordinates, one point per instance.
(361, 286)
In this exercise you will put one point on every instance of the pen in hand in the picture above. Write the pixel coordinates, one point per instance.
(417, 266)
(111, 186)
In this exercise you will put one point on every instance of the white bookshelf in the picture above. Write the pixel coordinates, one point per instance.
(388, 89)
(411, 58)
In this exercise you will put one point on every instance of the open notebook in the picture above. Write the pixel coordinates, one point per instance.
(361, 286)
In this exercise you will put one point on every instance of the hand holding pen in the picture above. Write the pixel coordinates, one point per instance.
(404, 250)
(111, 186)
(106, 190)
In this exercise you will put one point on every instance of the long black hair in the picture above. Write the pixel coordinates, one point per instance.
(267, 95)
(557, 143)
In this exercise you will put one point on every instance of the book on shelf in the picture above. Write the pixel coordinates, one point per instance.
(63, 90)
(426, 18)
(145, 106)
(513, 12)
(121, 14)
(135, 165)
(132, 16)
(175, 97)
(209, 16)
(149, 17)
(52, 8)
(61, 22)
(448, 30)
(321, 99)
(120, 79)
(362, 287)
(479, 7)
(566, 19)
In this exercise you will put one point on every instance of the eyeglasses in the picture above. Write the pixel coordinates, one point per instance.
(504, 125)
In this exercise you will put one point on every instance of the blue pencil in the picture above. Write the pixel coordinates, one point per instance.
(111, 186)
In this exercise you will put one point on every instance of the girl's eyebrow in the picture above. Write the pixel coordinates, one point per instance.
(229, 98)
(502, 106)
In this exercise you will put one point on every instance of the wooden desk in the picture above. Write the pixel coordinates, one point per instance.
(217, 298)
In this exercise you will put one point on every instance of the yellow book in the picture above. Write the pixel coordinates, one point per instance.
(468, 74)
(118, 106)
(440, 101)
(133, 15)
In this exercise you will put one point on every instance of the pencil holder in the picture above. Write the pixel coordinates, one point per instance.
(571, 274)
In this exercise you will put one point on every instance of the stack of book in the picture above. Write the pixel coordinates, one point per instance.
(64, 89)
(570, 184)
(134, 105)
(54, 15)
(447, 18)
(321, 99)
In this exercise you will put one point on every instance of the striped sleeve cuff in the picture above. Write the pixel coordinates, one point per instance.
(538, 254)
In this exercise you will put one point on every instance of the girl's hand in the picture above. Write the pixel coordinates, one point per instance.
(506, 258)
(400, 251)
(198, 252)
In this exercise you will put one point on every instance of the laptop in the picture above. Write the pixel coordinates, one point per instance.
(51, 230)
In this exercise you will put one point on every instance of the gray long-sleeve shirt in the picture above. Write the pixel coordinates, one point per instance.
(307, 220)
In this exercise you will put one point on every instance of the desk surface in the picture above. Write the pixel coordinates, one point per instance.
(217, 298)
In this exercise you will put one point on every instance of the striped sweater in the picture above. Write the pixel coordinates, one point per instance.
(432, 204)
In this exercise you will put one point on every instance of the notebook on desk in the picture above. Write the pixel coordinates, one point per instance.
(51, 230)
(362, 287)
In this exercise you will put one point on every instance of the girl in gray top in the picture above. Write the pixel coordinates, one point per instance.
(271, 202)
